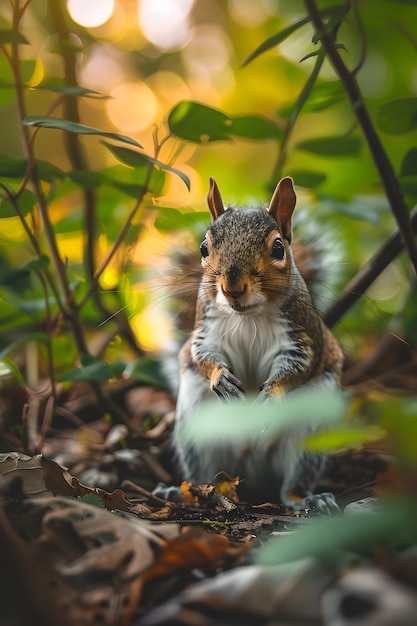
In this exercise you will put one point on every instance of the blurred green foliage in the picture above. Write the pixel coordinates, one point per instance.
(82, 218)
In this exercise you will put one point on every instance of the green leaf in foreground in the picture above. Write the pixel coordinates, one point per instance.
(331, 146)
(328, 537)
(42, 121)
(216, 421)
(341, 438)
(140, 160)
(91, 369)
(398, 116)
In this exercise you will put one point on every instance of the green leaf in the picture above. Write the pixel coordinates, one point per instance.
(9, 35)
(409, 163)
(25, 202)
(327, 537)
(254, 127)
(91, 369)
(42, 337)
(337, 11)
(39, 264)
(341, 439)
(324, 95)
(148, 371)
(15, 167)
(74, 90)
(140, 160)
(8, 365)
(308, 179)
(72, 127)
(89, 179)
(398, 116)
(238, 420)
(408, 185)
(331, 146)
(169, 220)
(199, 123)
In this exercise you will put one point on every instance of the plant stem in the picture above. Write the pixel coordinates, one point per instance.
(380, 157)
(301, 100)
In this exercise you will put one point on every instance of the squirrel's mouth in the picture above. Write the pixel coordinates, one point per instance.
(242, 308)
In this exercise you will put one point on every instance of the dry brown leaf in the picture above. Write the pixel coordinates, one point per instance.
(194, 548)
(90, 561)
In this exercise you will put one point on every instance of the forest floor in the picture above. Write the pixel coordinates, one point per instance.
(84, 541)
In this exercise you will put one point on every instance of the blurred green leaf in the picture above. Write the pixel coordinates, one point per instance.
(42, 121)
(25, 202)
(90, 179)
(169, 220)
(254, 127)
(9, 369)
(91, 369)
(331, 146)
(15, 167)
(324, 95)
(9, 35)
(148, 371)
(237, 420)
(306, 178)
(327, 537)
(42, 337)
(336, 11)
(73, 90)
(398, 116)
(139, 160)
(342, 438)
(197, 122)
(409, 163)
(408, 185)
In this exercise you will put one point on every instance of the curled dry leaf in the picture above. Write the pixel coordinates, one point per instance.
(194, 548)
(91, 562)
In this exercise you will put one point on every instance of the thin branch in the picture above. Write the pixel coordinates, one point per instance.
(380, 157)
(368, 274)
(75, 149)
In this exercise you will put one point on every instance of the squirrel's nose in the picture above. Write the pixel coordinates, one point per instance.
(235, 291)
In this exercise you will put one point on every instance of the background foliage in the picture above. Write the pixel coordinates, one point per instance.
(111, 130)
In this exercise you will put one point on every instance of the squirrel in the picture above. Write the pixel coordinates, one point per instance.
(256, 330)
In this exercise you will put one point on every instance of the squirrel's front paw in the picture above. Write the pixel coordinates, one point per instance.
(271, 390)
(225, 385)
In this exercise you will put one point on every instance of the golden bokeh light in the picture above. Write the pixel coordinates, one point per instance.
(166, 23)
(90, 13)
(133, 107)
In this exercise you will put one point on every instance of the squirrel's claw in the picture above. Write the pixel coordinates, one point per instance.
(227, 386)
(323, 502)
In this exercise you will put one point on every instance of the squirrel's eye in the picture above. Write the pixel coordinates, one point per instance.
(204, 248)
(278, 250)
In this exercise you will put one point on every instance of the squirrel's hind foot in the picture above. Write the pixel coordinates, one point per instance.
(324, 503)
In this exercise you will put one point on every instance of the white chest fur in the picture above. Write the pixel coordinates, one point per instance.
(248, 343)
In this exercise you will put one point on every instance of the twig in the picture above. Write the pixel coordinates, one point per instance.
(380, 157)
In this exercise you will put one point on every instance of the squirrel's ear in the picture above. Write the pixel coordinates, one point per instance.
(214, 200)
(282, 205)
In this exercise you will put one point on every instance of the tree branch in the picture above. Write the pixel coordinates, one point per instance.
(380, 157)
